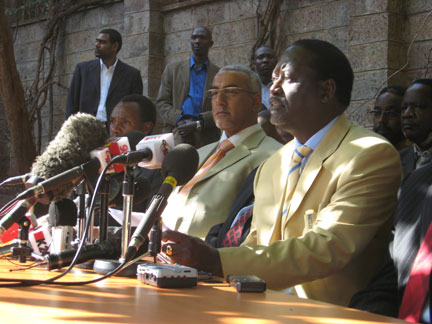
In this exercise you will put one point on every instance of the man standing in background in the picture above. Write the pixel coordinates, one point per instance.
(98, 85)
(181, 100)
(264, 62)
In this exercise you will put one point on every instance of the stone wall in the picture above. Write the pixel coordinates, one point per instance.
(375, 35)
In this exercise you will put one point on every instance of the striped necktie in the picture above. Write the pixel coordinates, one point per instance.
(224, 147)
(294, 173)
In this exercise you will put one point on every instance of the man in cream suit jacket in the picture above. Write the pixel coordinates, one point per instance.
(326, 239)
(236, 99)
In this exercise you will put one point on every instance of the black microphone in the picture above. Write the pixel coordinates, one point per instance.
(63, 216)
(15, 214)
(13, 181)
(178, 167)
(55, 185)
(109, 249)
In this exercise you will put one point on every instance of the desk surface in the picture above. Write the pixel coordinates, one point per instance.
(126, 300)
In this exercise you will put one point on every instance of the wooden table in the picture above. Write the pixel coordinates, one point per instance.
(126, 300)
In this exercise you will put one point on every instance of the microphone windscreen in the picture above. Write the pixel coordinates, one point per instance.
(134, 138)
(63, 213)
(79, 134)
(182, 161)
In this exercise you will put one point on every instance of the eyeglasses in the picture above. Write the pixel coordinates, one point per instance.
(376, 113)
(228, 92)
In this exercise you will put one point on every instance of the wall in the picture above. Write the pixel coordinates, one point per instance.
(375, 35)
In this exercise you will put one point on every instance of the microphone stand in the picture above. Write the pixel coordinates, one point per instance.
(103, 215)
(104, 266)
(20, 249)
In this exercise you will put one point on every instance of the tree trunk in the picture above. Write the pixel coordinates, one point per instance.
(13, 98)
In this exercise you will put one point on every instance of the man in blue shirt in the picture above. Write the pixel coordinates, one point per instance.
(181, 102)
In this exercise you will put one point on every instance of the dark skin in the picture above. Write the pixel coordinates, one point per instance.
(264, 61)
(417, 115)
(297, 95)
(106, 50)
(388, 125)
(201, 41)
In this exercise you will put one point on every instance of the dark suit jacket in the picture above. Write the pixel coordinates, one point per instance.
(408, 159)
(244, 198)
(84, 91)
(412, 218)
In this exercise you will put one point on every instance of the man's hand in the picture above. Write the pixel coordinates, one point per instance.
(191, 251)
(186, 127)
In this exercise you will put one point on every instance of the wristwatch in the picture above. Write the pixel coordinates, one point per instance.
(198, 126)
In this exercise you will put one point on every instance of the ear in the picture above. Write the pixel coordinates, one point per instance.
(256, 103)
(147, 127)
(327, 90)
(116, 46)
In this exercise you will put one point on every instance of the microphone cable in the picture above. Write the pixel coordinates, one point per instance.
(34, 282)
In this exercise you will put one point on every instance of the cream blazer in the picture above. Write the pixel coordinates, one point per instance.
(331, 240)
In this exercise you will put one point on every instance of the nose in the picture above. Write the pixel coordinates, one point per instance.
(408, 112)
(219, 98)
(275, 88)
(381, 118)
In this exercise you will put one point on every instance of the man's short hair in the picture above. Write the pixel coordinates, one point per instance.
(208, 31)
(264, 46)
(427, 82)
(147, 107)
(114, 36)
(254, 79)
(330, 63)
(395, 89)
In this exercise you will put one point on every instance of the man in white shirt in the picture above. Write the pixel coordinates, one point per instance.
(98, 85)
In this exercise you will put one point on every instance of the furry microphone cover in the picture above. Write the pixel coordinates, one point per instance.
(79, 134)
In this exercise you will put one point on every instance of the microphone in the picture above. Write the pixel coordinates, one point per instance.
(55, 186)
(159, 145)
(107, 249)
(78, 136)
(62, 217)
(13, 181)
(15, 214)
(178, 167)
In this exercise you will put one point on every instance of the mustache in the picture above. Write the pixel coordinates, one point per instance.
(274, 99)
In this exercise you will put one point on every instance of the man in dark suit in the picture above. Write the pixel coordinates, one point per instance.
(137, 113)
(98, 85)
(417, 125)
(412, 219)
(182, 101)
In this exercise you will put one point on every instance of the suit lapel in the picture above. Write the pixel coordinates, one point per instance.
(327, 147)
(94, 74)
(116, 76)
(236, 154)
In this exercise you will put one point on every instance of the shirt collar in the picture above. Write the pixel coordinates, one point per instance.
(236, 139)
(112, 66)
(314, 141)
(204, 66)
